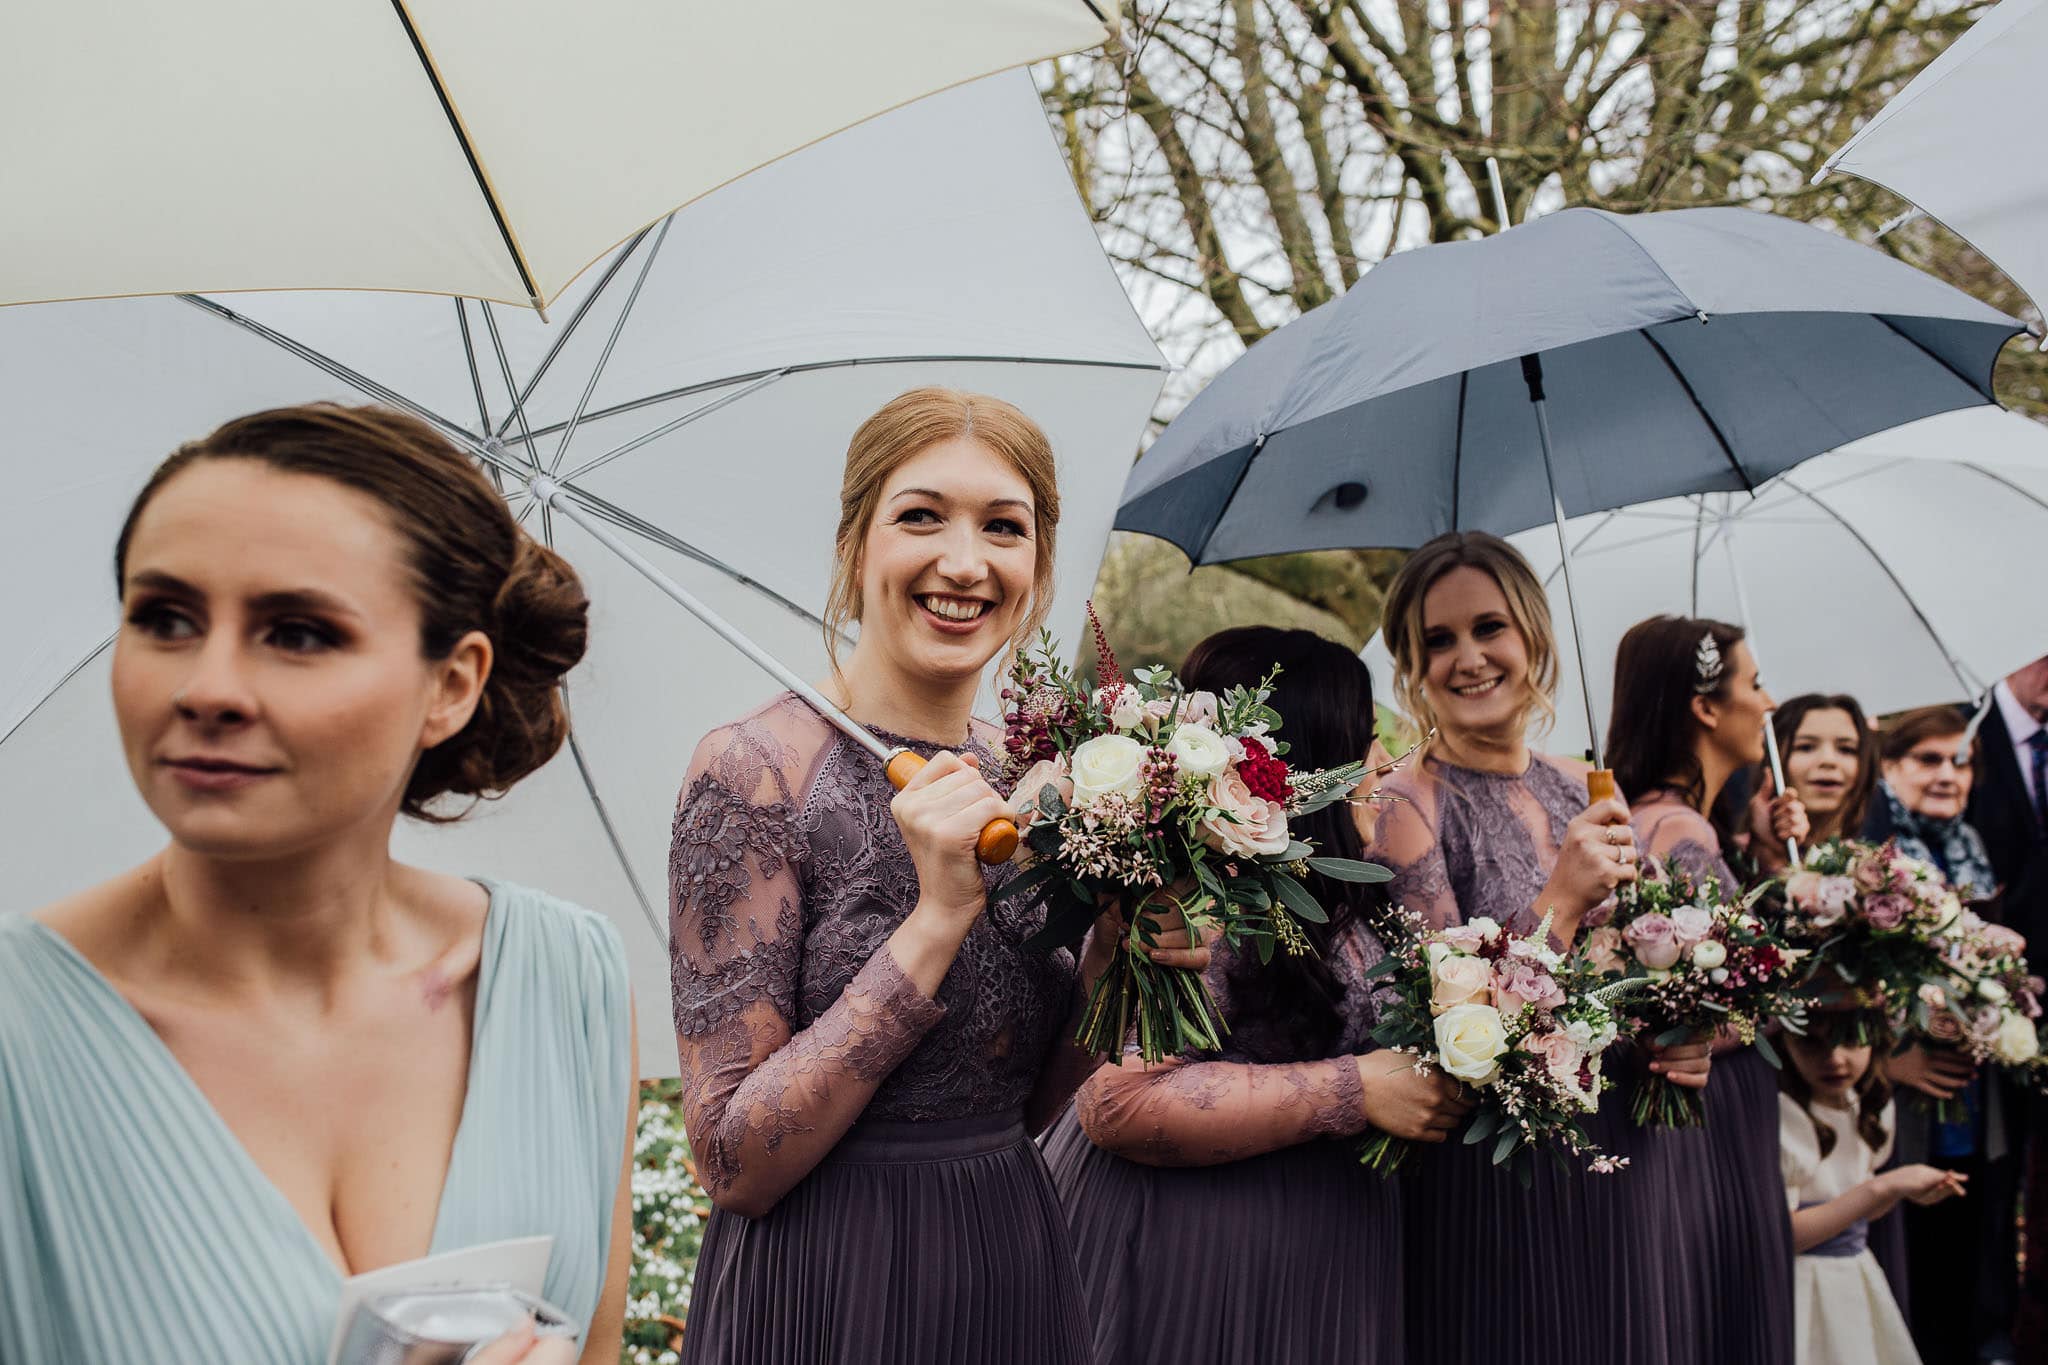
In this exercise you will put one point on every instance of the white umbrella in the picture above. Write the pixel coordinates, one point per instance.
(773, 317)
(485, 149)
(1896, 568)
(1954, 142)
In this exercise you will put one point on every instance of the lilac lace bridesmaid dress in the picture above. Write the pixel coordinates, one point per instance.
(1745, 1239)
(1576, 1269)
(879, 1139)
(1234, 1223)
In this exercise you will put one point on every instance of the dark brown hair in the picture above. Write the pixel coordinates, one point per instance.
(1324, 694)
(472, 568)
(1908, 729)
(1873, 1091)
(1785, 724)
(1651, 736)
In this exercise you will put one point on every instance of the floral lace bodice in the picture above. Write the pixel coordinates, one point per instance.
(787, 875)
(1464, 843)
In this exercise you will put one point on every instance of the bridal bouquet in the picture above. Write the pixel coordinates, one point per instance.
(1875, 918)
(1156, 799)
(1697, 962)
(1988, 1006)
(1508, 1015)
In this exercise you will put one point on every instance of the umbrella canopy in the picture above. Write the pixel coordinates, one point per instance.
(1945, 142)
(1892, 569)
(491, 150)
(1684, 352)
(718, 372)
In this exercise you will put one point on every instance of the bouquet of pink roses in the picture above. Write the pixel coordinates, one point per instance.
(1510, 1016)
(1152, 797)
(1698, 963)
(1873, 917)
(1988, 1006)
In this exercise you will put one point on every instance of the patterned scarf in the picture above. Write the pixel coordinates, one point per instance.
(1953, 845)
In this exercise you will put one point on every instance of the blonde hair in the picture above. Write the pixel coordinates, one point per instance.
(906, 426)
(1528, 607)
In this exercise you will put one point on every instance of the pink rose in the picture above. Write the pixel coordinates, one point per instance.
(1603, 948)
(1047, 772)
(1872, 873)
(1802, 888)
(1886, 910)
(1456, 981)
(1198, 708)
(1562, 1058)
(1517, 982)
(1653, 940)
(1241, 823)
(1464, 937)
(1691, 924)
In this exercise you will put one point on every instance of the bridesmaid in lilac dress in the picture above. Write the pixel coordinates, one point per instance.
(1576, 1269)
(866, 1046)
(1689, 713)
(1219, 1210)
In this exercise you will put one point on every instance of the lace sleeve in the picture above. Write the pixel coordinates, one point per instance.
(1405, 842)
(1353, 952)
(1187, 1112)
(763, 1104)
(1682, 838)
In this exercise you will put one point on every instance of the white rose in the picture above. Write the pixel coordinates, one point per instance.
(1470, 1040)
(1198, 750)
(2017, 1042)
(1992, 991)
(1709, 954)
(1105, 764)
(1486, 925)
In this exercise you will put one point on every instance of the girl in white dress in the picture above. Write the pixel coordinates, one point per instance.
(1835, 1127)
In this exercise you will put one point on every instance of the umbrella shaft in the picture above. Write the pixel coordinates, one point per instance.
(554, 495)
(1564, 552)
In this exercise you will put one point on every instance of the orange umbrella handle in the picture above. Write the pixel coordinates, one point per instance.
(1599, 785)
(998, 841)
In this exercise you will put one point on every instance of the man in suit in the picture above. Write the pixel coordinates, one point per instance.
(2009, 807)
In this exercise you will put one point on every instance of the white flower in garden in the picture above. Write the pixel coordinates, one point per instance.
(1107, 764)
(1470, 1040)
(1198, 750)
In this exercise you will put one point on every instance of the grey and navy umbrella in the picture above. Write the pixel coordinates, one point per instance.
(1581, 362)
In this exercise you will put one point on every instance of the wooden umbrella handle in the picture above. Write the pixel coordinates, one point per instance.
(998, 841)
(1600, 785)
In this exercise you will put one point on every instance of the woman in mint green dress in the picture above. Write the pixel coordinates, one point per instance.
(271, 1057)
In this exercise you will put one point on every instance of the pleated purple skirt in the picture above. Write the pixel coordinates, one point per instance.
(1750, 1266)
(1575, 1269)
(1289, 1258)
(919, 1243)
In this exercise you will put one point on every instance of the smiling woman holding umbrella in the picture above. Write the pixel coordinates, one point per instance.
(865, 1043)
(272, 1057)
(1578, 1267)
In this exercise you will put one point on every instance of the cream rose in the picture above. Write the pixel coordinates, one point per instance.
(1470, 1040)
(1455, 981)
(1198, 750)
(1106, 764)
(1241, 824)
(2017, 1042)
(1709, 953)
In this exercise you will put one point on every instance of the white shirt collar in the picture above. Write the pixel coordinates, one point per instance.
(2018, 723)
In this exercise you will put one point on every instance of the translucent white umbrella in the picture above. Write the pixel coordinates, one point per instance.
(1954, 142)
(487, 149)
(1897, 568)
(698, 391)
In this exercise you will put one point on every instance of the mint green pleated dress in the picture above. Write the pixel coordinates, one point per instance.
(135, 1228)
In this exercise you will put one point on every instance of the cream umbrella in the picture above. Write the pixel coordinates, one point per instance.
(489, 149)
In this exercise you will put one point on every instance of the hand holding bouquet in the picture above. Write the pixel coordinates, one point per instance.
(1872, 916)
(1152, 798)
(1508, 1015)
(1989, 1005)
(1696, 963)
